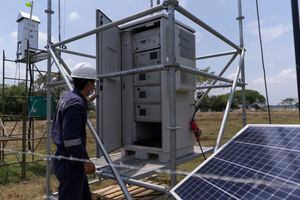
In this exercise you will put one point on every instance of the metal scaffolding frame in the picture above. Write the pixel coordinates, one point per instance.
(170, 6)
(27, 137)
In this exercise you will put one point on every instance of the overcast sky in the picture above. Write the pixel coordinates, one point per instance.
(78, 16)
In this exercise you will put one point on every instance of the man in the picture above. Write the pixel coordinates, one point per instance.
(69, 136)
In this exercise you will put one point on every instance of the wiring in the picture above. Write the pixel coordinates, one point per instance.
(196, 130)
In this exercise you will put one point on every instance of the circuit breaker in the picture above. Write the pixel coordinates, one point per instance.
(27, 30)
(144, 102)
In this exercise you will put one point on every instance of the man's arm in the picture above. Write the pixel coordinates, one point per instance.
(72, 129)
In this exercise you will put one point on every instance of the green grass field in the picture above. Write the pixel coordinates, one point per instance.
(13, 187)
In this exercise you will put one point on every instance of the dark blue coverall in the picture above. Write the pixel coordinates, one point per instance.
(69, 135)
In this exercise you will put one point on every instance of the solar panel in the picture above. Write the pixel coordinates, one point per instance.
(260, 162)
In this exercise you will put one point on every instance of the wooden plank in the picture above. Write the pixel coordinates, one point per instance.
(110, 191)
(103, 190)
(114, 192)
(119, 195)
(148, 195)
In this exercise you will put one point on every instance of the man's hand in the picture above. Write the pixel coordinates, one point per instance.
(89, 167)
(92, 97)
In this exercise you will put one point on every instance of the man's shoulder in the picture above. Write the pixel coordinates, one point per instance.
(71, 98)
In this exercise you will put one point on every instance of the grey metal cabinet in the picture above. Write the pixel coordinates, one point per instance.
(141, 101)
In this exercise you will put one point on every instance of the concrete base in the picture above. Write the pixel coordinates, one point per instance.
(140, 167)
(152, 153)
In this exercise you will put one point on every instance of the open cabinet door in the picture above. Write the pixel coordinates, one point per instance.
(108, 51)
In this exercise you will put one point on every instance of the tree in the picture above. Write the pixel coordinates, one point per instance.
(204, 104)
(289, 101)
(252, 97)
(218, 102)
(202, 80)
(40, 85)
(13, 100)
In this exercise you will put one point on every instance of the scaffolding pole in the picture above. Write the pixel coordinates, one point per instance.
(215, 81)
(201, 73)
(132, 71)
(189, 15)
(240, 18)
(3, 106)
(98, 24)
(25, 117)
(228, 105)
(172, 91)
(216, 55)
(49, 12)
(111, 25)
(213, 86)
(75, 53)
(132, 181)
(3, 82)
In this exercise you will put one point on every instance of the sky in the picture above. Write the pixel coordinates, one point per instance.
(78, 16)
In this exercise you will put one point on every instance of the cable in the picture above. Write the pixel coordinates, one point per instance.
(263, 61)
(197, 131)
(59, 21)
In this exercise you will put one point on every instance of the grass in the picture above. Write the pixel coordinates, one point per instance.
(210, 123)
(13, 187)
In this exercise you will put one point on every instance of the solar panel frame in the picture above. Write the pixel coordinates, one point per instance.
(172, 191)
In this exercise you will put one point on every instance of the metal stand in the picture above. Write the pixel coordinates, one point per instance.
(27, 137)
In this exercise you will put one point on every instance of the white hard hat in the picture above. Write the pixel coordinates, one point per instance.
(84, 71)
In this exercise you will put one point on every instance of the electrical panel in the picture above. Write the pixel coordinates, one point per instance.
(147, 94)
(148, 112)
(28, 31)
(147, 78)
(147, 58)
(147, 40)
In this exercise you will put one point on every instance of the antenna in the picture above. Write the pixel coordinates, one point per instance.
(59, 21)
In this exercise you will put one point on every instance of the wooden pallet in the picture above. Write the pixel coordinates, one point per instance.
(114, 192)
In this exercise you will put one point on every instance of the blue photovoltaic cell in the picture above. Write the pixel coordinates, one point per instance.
(262, 162)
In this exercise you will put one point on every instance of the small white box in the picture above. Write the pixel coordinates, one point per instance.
(27, 30)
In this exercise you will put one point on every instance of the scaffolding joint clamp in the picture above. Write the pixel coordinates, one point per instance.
(167, 2)
(49, 11)
(170, 65)
(239, 18)
(174, 128)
